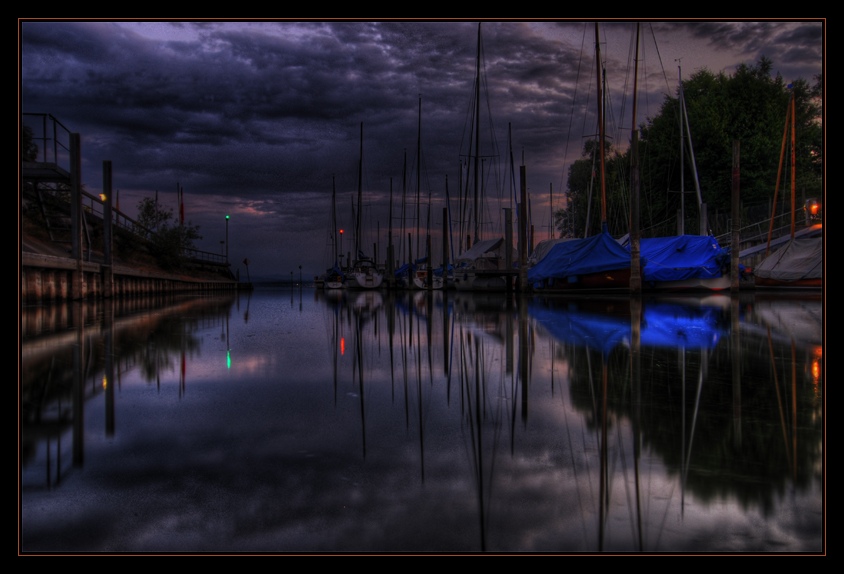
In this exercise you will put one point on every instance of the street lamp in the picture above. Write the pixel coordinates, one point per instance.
(227, 238)
(341, 247)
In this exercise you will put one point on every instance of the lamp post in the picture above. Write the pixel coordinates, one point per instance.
(341, 248)
(300, 276)
(227, 238)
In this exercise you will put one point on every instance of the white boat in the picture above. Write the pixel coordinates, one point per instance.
(422, 280)
(364, 275)
(482, 267)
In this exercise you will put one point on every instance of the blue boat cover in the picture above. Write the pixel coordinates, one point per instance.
(674, 325)
(438, 272)
(592, 330)
(570, 259)
(664, 324)
(681, 257)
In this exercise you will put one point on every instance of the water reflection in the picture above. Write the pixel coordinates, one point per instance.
(426, 421)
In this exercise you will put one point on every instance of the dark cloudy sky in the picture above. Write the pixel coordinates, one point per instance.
(259, 120)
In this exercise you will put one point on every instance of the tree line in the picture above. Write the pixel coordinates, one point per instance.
(750, 107)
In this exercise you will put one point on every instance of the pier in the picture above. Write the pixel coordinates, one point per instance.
(76, 246)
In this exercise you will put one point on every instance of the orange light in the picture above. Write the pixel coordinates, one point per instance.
(341, 232)
(342, 345)
(816, 364)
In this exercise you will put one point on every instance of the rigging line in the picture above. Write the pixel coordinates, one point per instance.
(661, 65)
(563, 174)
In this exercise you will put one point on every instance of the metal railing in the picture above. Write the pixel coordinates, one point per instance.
(95, 206)
(51, 138)
(757, 232)
(52, 146)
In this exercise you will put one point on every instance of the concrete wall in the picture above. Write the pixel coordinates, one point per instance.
(47, 279)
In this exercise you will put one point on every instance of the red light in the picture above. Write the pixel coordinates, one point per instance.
(341, 232)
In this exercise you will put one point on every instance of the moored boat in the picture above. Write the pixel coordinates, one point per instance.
(684, 263)
(797, 264)
(596, 263)
(363, 273)
(483, 267)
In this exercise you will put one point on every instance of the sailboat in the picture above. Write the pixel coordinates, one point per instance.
(685, 262)
(422, 276)
(596, 263)
(334, 277)
(363, 273)
(799, 263)
(485, 264)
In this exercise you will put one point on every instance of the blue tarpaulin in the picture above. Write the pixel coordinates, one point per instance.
(673, 325)
(663, 324)
(681, 257)
(593, 330)
(570, 259)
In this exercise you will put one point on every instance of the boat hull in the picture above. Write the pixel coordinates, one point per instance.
(693, 284)
(763, 282)
(481, 281)
(365, 280)
(420, 281)
(604, 281)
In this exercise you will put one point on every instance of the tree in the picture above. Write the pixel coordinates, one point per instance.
(152, 216)
(29, 149)
(168, 241)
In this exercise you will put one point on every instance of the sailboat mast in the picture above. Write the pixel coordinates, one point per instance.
(418, 171)
(477, 133)
(450, 237)
(403, 203)
(360, 195)
(681, 225)
(334, 216)
(635, 189)
(788, 116)
(793, 166)
(390, 233)
(601, 129)
(684, 125)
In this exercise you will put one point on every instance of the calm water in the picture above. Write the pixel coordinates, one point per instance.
(288, 420)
